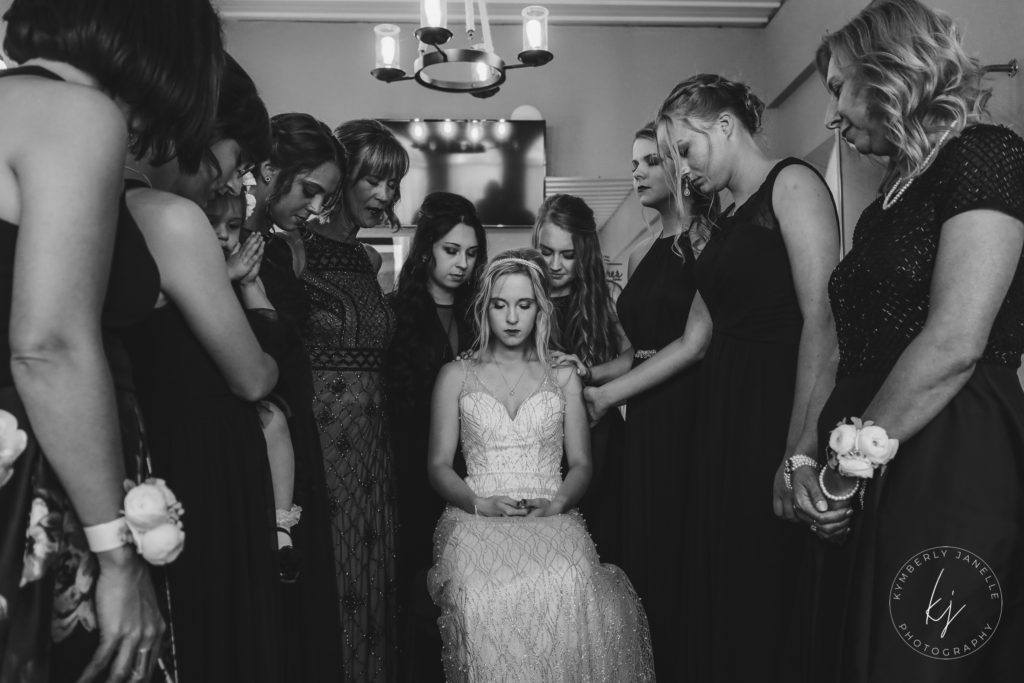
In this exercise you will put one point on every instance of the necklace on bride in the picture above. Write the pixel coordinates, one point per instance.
(512, 387)
(900, 186)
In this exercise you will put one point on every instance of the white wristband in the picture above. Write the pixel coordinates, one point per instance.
(107, 536)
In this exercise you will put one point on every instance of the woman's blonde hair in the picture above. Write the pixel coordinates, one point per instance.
(910, 62)
(530, 263)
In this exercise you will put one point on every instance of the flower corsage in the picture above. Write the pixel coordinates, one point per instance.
(151, 523)
(248, 188)
(856, 449)
(12, 444)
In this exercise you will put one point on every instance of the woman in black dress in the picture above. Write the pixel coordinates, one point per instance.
(437, 283)
(347, 334)
(293, 185)
(73, 272)
(762, 278)
(586, 333)
(929, 307)
(667, 335)
(199, 368)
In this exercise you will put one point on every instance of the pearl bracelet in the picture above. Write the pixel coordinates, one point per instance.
(831, 496)
(794, 462)
(107, 536)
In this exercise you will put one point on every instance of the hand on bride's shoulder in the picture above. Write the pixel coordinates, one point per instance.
(568, 379)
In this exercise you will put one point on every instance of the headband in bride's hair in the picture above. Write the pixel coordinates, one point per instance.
(515, 259)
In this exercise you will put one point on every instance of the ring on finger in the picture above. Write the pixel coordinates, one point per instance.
(814, 528)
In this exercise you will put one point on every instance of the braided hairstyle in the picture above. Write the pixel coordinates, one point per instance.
(414, 307)
(590, 332)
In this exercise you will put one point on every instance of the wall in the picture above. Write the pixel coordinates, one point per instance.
(991, 31)
(604, 82)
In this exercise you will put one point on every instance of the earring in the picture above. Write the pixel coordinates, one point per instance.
(686, 186)
(266, 177)
(133, 139)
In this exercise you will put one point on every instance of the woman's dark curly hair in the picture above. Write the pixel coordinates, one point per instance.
(591, 331)
(301, 143)
(414, 307)
(163, 59)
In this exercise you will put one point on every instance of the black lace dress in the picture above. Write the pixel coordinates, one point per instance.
(956, 488)
(47, 574)
(743, 560)
(653, 309)
(347, 333)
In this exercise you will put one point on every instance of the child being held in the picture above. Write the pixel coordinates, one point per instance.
(226, 215)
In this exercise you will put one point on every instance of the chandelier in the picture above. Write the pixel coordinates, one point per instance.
(477, 70)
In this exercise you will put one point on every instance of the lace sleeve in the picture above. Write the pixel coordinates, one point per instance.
(986, 171)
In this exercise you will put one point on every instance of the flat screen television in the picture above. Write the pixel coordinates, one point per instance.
(498, 165)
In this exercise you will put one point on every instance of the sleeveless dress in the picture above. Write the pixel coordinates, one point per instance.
(527, 599)
(346, 334)
(743, 560)
(208, 444)
(601, 504)
(312, 624)
(956, 484)
(47, 574)
(653, 308)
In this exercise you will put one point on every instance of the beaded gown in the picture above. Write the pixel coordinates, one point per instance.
(347, 333)
(526, 599)
(746, 389)
(653, 308)
(48, 629)
(958, 482)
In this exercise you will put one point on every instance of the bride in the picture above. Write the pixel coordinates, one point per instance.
(522, 592)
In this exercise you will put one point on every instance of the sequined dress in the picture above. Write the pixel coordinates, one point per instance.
(527, 599)
(958, 482)
(347, 333)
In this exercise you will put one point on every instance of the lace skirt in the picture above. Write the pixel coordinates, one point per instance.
(527, 599)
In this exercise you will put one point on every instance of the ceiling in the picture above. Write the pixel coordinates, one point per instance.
(727, 13)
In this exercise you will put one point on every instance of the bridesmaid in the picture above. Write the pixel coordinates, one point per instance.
(587, 333)
(347, 333)
(294, 184)
(74, 271)
(762, 276)
(669, 331)
(199, 369)
(433, 324)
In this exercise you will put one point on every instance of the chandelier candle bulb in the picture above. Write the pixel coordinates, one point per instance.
(434, 13)
(535, 28)
(387, 45)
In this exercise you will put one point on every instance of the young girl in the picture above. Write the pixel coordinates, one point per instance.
(435, 289)
(522, 592)
(587, 333)
(227, 214)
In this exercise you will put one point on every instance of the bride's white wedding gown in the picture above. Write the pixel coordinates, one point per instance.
(527, 598)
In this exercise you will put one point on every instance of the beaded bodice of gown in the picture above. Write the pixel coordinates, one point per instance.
(880, 291)
(518, 456)
(350, 325)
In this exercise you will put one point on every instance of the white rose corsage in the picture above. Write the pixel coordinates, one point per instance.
(856, 449)
(12, 444)
(151, 523)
